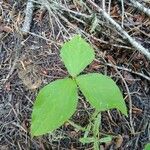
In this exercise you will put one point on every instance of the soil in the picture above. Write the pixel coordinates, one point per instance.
(28, 62)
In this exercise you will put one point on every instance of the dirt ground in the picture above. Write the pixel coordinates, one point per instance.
(28, 62)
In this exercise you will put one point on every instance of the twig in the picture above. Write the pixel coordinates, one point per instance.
(140, 7)
(103, 5)
(125, 69)
(109, 5)
(129, 70)
(134, 43)
(122, 7)
(44, 38)
(28, 17)
(130, 99)
(90, 35)
(17, 49)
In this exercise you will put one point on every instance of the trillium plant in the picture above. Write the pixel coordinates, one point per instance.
(57, 101)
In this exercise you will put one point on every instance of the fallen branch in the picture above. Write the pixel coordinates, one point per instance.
(141, 7)
(124, 34)
(28, 17)
(125, 69)
(130, 70)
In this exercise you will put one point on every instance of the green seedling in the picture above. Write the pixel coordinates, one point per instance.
(57, 101)
(147, 146)
(94, 128)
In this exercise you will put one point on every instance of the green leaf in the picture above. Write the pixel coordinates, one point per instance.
(147, 146)
(76, 55)
(102, 92)
(54, 105)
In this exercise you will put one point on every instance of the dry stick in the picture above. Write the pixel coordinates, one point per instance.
(141, 7)
(122, 7)
(125, 69)
(17, 49)
(129, 70)
(44, 38)
(103, 5)
(109, 5)
(135, 44)
(130, 99)
(28, 17)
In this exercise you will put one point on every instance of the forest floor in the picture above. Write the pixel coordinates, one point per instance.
(30, 61)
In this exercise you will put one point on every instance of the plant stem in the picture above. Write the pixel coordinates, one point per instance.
(78, 127)
(96, 127)
(28, 17)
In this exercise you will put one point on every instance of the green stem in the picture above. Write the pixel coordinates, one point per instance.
(94, 115)
(96, 145)
(87, 130)
(96, 127)
(78, 127)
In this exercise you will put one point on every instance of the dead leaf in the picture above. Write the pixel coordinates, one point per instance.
(111, 59)
(39, 15)
(118, 141)
(29, 74)
(5, 28)
(94, 65)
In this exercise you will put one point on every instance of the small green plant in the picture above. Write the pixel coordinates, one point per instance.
(57, 101)
(147, 146)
